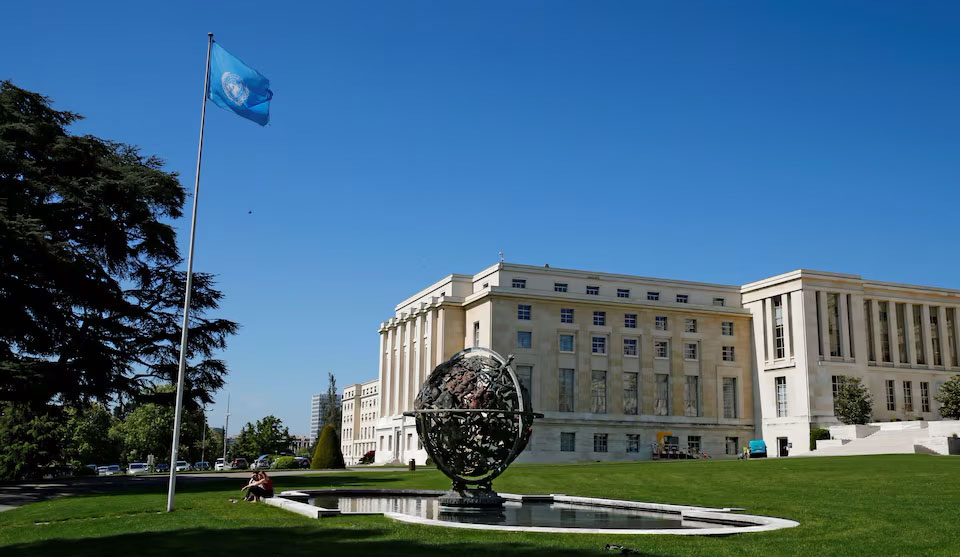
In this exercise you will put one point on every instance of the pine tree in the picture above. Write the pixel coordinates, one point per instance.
(328, 453)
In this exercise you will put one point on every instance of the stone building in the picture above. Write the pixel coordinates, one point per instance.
(359, 410)
(614, 362)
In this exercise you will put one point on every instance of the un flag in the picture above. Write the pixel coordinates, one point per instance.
(238, 87)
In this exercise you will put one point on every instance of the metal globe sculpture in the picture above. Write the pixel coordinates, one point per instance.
(474, 418)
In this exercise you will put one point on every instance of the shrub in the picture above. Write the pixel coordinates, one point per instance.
(429, 462)
(816, 434)
(949, 398)
(368, 457)
(286, 463)
(83, 471)
(328, 453)
(853, 404)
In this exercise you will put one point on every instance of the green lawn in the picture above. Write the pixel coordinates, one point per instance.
(874, 505)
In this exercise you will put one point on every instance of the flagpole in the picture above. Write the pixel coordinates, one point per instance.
(172, 488)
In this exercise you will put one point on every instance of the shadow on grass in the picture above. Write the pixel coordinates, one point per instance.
(287, 542)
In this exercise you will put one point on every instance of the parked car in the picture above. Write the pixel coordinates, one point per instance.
(239, 464)
(758, 449)
(202, 465)
(303, 461)
(262, 463)
(218, 465)
(163, 467)
(138, 468)
(92, 467)
(108, 470)
(183, 466)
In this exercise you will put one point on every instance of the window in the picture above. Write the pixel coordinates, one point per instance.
(593, 290)
(629, 347)
(565, 400)
(559, 287)
(599, 442)
(660, 322)
(884, 330)
(693, 444)
(908, 396)
(409, 441)
(835, 381)
(918, 335)
(653, 296)
(623, 293)
(566, 315)
(726, 328)
(598, 392)
(731, 444)
(728, 354)
(781, 384)
(600, 318)
(719, 302)
(523, 312)
(633, 443)
(476, 333)
(729, 397)
(566, 343)
(599, 345)
(691, 396)
(525, 376)
(519, 283)
(924, 396)
(630, 320)
(524, 339)
(902, 332)
(868, 314)
(660, 349)
(690, 325)
(630, 394)
(952, 336)
(568, 441)
(935, 335)
(779, 348)
(661, 393)
(833, 324)
(682, 298)
(891, 396)
(690, 351)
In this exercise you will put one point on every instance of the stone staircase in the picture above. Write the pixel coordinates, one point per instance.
(888, 438)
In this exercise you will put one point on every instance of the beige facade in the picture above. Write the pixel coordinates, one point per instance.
(360, 409)
(614, 360)
(810, 326)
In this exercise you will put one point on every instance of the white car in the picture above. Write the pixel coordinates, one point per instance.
(218, 465)
(108, 470)
(138, 468)
(183, 466)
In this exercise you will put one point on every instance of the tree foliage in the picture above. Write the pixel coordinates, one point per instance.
(90, 436)
(30, 437)
(332, 412)
(89, 291)
(328, 454)
(267, 436)
(853, 403)
(949, 398)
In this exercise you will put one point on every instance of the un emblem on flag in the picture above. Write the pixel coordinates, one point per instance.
(234, 88)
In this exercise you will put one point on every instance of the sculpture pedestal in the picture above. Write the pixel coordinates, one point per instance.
(471, 500)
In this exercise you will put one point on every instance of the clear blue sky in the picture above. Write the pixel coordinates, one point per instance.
(710, 141)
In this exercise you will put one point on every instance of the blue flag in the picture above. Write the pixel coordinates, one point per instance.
(238, 87)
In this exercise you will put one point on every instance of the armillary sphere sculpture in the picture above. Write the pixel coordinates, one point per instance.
(474, 418)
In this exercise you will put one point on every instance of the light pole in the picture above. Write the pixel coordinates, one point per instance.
(225, 427)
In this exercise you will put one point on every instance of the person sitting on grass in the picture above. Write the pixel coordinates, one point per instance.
(260, 489)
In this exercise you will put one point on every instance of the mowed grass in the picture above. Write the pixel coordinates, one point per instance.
(872, 505)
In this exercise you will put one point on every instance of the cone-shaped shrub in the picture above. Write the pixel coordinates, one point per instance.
(327, 454)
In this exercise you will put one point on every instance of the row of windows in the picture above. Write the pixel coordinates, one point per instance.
(904, 322)
(661, 322)
(621, 292)
(601, 442)
(907, 396)
(661, 348)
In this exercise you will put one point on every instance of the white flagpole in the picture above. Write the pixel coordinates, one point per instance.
(172, 488)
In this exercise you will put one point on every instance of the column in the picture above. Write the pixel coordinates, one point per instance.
(823, 325)
(844, 326)
(892, 331)
(944, 340)
(768, 329)
(911, 334)
(925, 328)
(386, 389)
(956, 331)
(383, 354)
(787, 314)
(875, 318)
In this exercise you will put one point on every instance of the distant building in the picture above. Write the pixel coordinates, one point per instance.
(301, 442)
(360, 410)
(318, 404)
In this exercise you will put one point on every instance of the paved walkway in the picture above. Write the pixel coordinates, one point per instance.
(13, 495)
